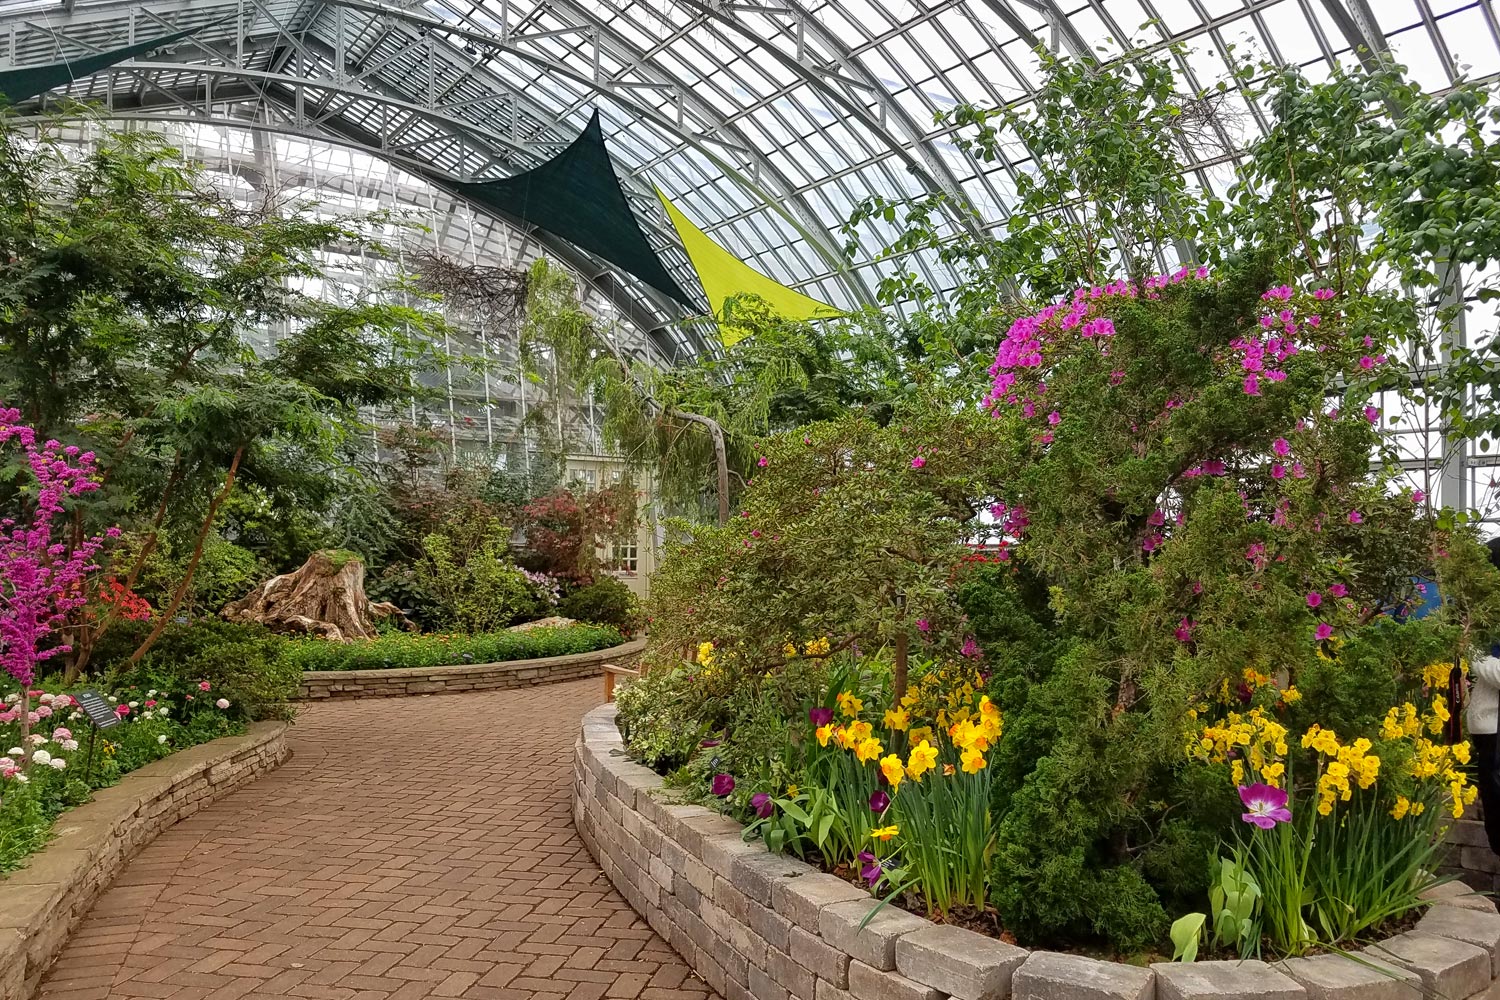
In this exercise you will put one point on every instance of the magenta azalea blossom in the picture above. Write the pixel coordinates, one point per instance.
(1323, 631)
(722, 784)
(1314, 599)
(879, 801)
(820, 716)
(764, 461)
(761, 802)
(1355, 517)
(1418, 496)
(1266, 806)
(1282, 447)
(918, 462)
(923, 625)
(1338, 590)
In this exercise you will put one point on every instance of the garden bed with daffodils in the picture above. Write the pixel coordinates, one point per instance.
(755, 923)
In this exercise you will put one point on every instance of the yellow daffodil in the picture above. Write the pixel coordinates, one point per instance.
(860, 730)
(923, 758)
(1291, 696)
(822, 733)
(867, 750)
(920, 734)
(817, 647)
(973, 761)
(1401, 808)
(1460, 752)
(894, 771)
(849, 704)
(884, 833)
(897, 719)
(789, 649)
(706, 654)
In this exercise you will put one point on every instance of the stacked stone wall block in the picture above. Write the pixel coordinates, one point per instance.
(42, 903)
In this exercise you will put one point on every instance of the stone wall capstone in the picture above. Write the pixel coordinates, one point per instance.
(43, 903)
(762, 926)
(321, 685)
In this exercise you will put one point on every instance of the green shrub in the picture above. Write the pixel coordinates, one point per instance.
(407, 650)
(243, 663)
(606, 601)
(657, 718)
(475, 587)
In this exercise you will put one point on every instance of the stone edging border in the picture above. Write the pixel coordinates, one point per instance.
(322, 685)
(42, 904)
(760, 926)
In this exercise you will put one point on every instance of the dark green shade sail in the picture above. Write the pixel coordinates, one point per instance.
(24, 83)
(576, 195)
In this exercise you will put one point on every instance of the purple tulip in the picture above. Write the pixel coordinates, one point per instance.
(762, 803)
(1266, 805)
(710, 743)
(820, 716)
(870, 869)
(722, 784)
(879, 801)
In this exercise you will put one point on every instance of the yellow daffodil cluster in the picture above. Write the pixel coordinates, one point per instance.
(813, 648)
(942, 696)
(1435, 675)
(705, 654)
(1438, 762)
(850, 705)
(1348, 762)
(1251, 737)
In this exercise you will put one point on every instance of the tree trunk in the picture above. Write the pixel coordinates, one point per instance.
(898, 672)
(323, 597)
(721, 456)
(187, 577)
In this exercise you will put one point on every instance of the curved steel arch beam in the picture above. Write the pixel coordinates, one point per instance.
(926, 165)
(814, 232)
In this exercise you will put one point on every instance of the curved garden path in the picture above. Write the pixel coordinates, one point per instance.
(416, 847)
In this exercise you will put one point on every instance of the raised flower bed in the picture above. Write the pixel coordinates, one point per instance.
(319, 685)
(756, 924)
(41, 904)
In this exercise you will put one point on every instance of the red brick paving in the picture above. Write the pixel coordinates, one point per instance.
(415, 847)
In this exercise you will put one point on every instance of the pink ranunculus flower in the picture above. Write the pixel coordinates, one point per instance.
(62, 733)
(204, 685)
(1265, 806)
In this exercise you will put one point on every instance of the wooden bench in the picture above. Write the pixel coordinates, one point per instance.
(611, 672)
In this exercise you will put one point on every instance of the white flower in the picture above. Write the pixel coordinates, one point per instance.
(162, 711)
(222, 703)
(58, 763)
(22, 778)
(145, 715)
(135, 704)
(11, 699)
(41, 757)
(162, 738)
(113, 699)
(69, 745)
(15, 751)
(75, 716)
(151, 693)
(46, 699)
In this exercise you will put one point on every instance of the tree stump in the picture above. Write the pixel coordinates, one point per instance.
(324, 597)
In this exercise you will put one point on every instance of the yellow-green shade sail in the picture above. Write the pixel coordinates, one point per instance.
(724, 276)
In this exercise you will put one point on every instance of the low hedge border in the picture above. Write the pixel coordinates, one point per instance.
(322, 685)
(769, 927)
(42, 904)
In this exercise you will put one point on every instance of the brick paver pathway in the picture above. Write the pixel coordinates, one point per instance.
(410, 848)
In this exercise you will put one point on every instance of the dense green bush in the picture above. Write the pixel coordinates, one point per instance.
(406, 650)
(475, 586)
(658, 721)
(244, 663)
(606, 601)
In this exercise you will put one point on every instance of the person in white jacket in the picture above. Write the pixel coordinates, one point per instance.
(1482, 717)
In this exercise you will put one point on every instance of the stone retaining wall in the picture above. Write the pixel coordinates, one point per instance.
(41, 904)
(764, 926)
(318, 685)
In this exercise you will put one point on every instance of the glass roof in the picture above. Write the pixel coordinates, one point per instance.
(767, 121)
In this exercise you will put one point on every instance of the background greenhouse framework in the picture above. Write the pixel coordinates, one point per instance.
(766, 121)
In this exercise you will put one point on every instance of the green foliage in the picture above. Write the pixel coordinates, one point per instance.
(403, 649)
(656, 718)
(244, 663)
(474, 586)
(1234, 903)
(606, 601)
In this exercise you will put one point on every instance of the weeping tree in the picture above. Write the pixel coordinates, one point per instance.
(136, 306)
(695, 425)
